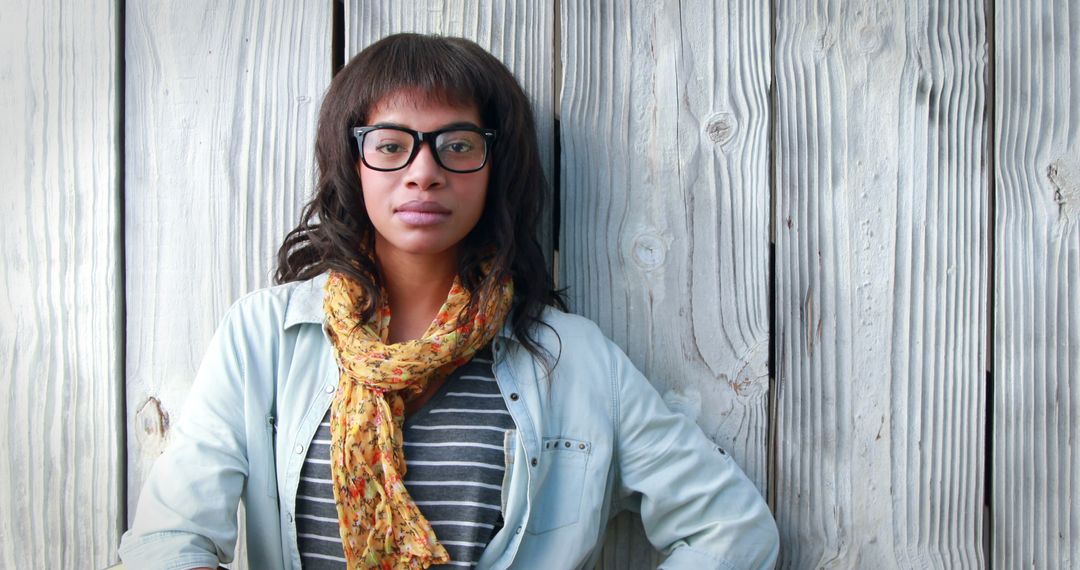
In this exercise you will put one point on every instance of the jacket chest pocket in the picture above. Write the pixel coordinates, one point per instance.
(557, 503)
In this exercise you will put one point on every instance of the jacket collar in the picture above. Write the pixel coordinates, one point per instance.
(306, 306)
(306, 302)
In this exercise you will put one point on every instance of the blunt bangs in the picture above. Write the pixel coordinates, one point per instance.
(433, 68)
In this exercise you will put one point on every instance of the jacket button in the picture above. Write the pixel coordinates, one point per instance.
(535, 462)
(581, 446)
(517, 530)
(299, 449)
(330, 388)
(568, 444)
(514, 396)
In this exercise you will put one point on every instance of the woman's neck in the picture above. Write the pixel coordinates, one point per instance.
(417, 286)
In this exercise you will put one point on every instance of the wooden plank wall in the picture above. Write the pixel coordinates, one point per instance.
(61, 486)
(665, 209)
(881, 273)
(1036, 467)
(861, 136)
(222, 102)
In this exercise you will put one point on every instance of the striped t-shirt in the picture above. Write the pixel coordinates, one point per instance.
(455, 460)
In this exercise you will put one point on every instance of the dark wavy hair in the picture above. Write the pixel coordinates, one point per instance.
(334, 230)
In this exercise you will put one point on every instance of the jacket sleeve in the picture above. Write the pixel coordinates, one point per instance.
(697, 505)
(187, 510)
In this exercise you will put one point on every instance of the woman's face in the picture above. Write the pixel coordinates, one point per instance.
(422, 209)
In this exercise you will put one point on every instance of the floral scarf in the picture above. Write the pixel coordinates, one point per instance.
(380, 525)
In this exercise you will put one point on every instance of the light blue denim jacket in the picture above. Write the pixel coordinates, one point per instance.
(592, 439)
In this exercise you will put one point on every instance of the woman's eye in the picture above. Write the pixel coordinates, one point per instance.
(456, 147)
(389, 148)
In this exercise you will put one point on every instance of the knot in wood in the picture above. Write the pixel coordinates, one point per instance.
(649, 251)
(1064, 176)
(750, 380)
(151, 420)
(720, 128)
(868, 37)
(747, 387)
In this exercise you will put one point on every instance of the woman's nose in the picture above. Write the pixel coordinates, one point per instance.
(424, 172)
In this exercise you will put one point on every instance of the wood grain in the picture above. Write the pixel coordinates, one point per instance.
(1036, 467)
(881, 275)
(221, 107)
(61, 487)
(665, 208)
(520, 34)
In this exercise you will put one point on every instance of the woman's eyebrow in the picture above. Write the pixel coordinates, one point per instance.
(454, 125)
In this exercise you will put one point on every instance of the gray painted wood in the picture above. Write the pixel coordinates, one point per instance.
(881, 221)
(61, 487)
(221, 107)
(520, 34)
(881, 277)
(665, 209)
(1036, 467)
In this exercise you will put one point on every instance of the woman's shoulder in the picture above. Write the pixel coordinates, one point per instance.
(574, 340)
(280, 306)
(571, 324)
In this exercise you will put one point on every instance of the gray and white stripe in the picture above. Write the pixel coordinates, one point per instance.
(455, 458)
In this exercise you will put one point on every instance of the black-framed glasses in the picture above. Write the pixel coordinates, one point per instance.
(457, 149)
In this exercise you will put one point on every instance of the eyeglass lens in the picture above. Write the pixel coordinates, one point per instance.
(457, 150)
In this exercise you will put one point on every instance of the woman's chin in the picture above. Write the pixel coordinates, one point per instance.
(418, 248)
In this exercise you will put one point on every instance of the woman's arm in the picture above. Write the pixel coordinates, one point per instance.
(696, 503)
(186, 516)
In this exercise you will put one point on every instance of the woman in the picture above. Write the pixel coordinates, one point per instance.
(480, 425)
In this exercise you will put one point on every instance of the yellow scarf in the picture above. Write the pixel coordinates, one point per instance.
(380, 525)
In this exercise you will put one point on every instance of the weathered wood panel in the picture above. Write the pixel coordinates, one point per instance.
(520, 34)
(221, 107)
(1036, 467)
(881, 275)
(665, 208)
(61, 487)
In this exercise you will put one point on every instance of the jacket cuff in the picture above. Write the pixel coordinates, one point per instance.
(687, 558)
(148, 552)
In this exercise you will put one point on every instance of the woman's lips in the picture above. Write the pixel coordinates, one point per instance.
(420, 213)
